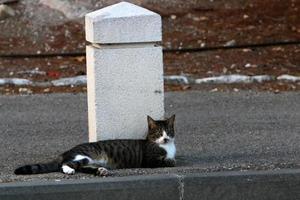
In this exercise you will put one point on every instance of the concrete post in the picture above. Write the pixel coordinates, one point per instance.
(124, 71)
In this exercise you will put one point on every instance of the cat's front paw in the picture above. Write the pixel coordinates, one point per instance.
(101, 171)
(170, 162)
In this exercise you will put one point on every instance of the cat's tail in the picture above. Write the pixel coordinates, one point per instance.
(53, 166)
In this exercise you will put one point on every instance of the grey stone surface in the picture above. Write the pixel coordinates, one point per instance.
(124, 78)
(123, 23)
(274, 185)
(214, 132)
(146, 188)
(125, 84)
(77, 80)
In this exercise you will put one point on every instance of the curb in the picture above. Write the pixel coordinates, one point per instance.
(169, 79)
(135, 187)
(279, 184)
(273, 185)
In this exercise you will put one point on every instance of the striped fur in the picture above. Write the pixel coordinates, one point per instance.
(115, 154)
(53, 166)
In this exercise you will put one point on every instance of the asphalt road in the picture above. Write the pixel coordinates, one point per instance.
(215, 131)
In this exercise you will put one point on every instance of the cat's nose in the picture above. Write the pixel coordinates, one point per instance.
(166, 140)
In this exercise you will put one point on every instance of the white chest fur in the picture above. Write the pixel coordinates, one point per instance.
(170, 149)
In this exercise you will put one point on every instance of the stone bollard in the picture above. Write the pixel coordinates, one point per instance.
(124, 71)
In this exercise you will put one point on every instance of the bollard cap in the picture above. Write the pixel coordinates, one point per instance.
(123, 23)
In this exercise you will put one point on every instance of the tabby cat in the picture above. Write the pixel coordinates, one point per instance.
(157, 150)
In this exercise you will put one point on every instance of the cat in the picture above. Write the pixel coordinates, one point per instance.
(157, 150)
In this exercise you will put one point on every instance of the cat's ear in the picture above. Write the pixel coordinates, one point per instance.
(171, 121)
(151, 123)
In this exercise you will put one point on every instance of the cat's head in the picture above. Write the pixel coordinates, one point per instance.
(161, 131)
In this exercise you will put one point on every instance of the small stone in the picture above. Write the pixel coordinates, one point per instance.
(173, 17)
(70, 9)
(246, 50)
(277, 49)
(293, 87)
(214, 90)
(245, 16)
(25, 91)
(80, 58)
(197, 19)
(22, 89)
(235, 90)
(47, 90)
(248, 65)
(6, 11)
(203, 18)
(186, 87)
(230, 43)
(63, 67)
(11, 73)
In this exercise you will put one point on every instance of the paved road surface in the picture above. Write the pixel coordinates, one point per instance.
(215, 131)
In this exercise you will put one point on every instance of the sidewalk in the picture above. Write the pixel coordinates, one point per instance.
(215, 132)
